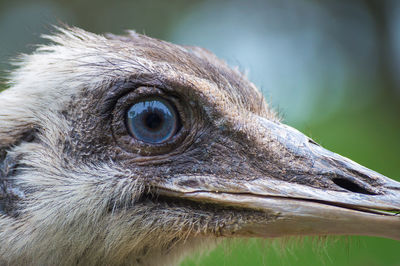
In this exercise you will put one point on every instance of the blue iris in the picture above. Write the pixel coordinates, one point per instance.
(152, 121)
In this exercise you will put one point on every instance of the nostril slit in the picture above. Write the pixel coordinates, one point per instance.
(312, 142)
(351, 186)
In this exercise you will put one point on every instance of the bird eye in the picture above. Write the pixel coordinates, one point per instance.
(153, 121)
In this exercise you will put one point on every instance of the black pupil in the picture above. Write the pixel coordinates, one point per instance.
(153, 121)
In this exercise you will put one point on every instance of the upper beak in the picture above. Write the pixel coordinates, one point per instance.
(325, 194)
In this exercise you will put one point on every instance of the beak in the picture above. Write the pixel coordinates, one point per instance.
(315, 191)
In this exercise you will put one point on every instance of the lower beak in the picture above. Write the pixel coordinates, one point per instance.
(352, 199)
(291, 217)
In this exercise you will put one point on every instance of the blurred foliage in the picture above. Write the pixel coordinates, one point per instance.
(329, 66)
(307, 251)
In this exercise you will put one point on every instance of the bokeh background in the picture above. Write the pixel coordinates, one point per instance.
(331, 68)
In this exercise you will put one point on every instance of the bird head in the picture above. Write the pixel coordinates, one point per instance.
(126, 149)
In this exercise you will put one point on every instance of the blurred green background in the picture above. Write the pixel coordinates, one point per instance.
(331, 68)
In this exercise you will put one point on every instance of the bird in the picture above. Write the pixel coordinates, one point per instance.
(129, 150)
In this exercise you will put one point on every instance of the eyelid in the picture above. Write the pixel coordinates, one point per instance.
(119, 88)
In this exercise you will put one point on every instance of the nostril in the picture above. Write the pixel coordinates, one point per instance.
(351, 186)
(312, 142)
